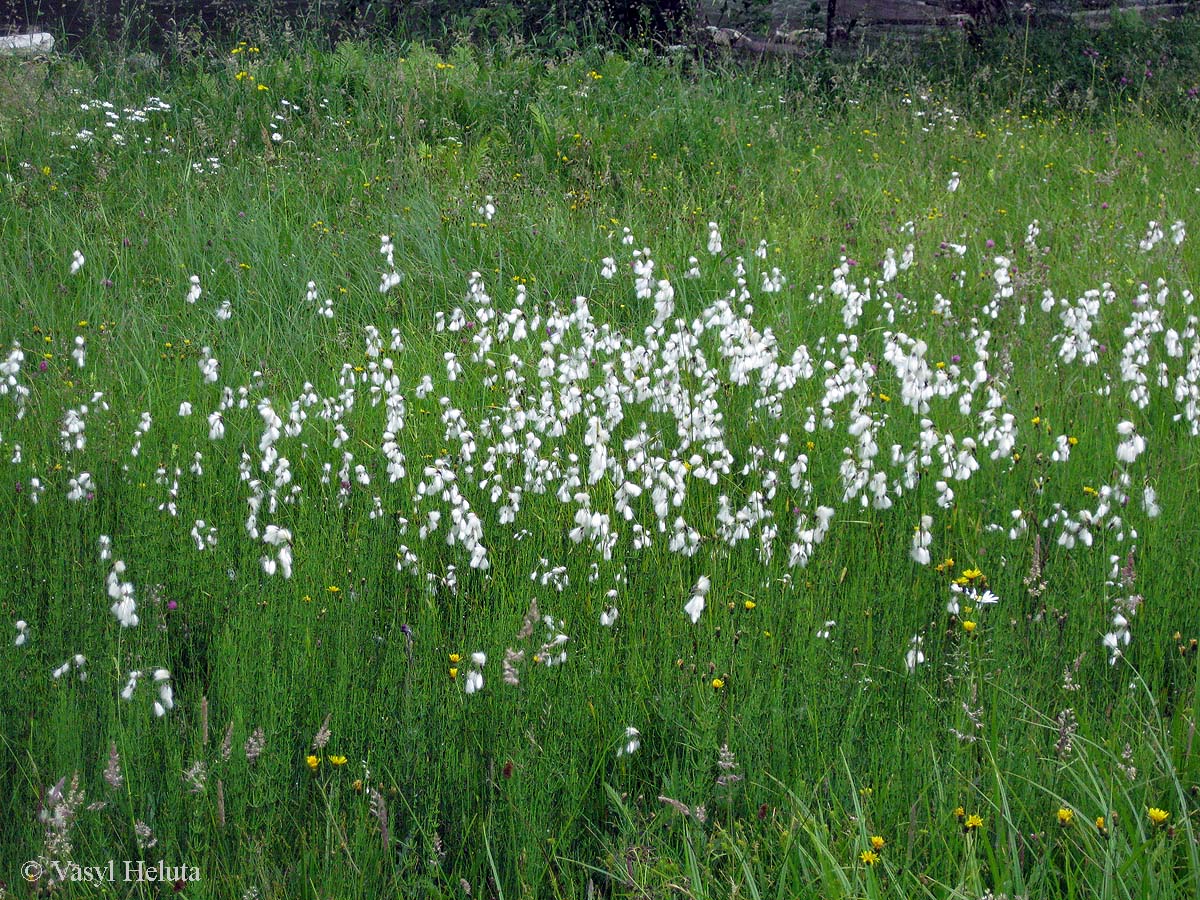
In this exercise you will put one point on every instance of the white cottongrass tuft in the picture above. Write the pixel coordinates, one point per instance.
(121, 593)
(922, 538)
(1133, 444)
(714, 239)
(390, 278)
(1150, 502)
(1154, 234)
(915, 656)
(630, 743)
(695, 606)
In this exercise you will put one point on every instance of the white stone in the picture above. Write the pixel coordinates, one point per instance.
(27, 44)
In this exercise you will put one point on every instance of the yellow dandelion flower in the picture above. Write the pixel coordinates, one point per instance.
(1065, 816)
(312, 762)
(973, 822)
(453, 673)
(877, 842)
(869, 857)
(717, 684)
(750, 604)
(1158, 817)
(337, 760)
(455, 658)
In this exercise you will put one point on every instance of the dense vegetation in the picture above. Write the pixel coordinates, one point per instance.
(838, 420)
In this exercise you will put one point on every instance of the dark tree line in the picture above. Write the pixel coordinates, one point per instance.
(152, 22)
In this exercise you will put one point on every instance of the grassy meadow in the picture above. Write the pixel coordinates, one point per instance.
(489, 474)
